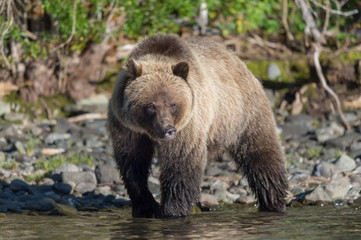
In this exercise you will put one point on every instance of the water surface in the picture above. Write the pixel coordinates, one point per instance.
(240, 223)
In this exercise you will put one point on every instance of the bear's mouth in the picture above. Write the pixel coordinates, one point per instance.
(168, 133)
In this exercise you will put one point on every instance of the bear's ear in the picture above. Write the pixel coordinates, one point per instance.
(133, 69)
(181, 69)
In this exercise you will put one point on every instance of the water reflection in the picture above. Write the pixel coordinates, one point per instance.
(239, 223)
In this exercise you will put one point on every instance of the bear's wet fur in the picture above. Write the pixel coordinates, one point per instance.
(192, 100)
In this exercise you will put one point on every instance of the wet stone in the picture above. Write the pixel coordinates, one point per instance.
(43, 204)
(19, 185)
(9, 205)
(154, 185)
(62, 188)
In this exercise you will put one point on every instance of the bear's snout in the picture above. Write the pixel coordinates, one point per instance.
(168, 133)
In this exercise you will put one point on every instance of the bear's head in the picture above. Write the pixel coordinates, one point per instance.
(158, 99)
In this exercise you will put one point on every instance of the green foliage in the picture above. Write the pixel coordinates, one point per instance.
(53, 162)
(152, 16)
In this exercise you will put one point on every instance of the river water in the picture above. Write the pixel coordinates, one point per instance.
(238, 223)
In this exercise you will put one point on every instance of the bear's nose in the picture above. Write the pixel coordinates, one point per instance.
(169, 132)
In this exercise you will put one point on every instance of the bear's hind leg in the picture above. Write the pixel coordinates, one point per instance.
(259, 156)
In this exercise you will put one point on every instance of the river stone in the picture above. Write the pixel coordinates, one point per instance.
(318, 194)
(325, 169)
(66, 209)
(43, 204)
(333, 131)
(106, 174)
(208, 200)
(94, 104)
(46, 181)
(63, 188)
(219, 185)
(357, 170)
(79, 177)
(338, 188)
(19, 185)
(345, 163)
(356, 146)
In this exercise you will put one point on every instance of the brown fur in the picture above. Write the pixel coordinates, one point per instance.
(215, 104)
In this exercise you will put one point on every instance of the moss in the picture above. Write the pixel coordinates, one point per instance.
(55, 103)
(292, 71)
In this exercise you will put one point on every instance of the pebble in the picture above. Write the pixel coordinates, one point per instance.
(315, 174)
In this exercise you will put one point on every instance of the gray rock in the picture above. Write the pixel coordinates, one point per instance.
(67, 167)
(357, 170)
(23, 159)
(318, 194)
(93, 142)
(53, 138)
(13, 130)
(66, 209)
(84, 187)
(106, 174)
(154, 185)
(219, 185)
(105, 190)
(327, 133)
(79, 177)
(43, 204)
(344, 141)
(345, 163)
(325, 169)
(338, 188)
(273, 71)
(359, 128)
(213, 171)
(302, 120)
(19, 185)
(355, 147)
(208, 200)
(63, 188)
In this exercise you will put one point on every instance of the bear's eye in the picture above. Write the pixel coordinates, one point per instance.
(173, 107)
(150, 109)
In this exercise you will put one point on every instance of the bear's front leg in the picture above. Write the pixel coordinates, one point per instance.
(181, 175)
(133, 153)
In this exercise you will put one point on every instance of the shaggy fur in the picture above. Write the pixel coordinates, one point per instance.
(191, 100)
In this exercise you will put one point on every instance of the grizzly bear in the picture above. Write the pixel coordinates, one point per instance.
(191, 100)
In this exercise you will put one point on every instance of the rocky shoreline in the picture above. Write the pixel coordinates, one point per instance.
(61, 166)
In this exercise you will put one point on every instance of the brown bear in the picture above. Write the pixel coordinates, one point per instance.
(192, 100)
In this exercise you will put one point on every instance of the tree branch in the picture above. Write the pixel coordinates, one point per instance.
(316, 58)
(336, 12)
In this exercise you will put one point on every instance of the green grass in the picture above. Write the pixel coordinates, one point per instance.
(53, 162)
(10, 165)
